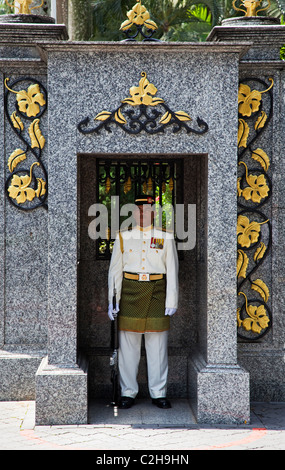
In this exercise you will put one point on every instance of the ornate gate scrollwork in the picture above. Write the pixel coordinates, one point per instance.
(24, 189)
(254, 189)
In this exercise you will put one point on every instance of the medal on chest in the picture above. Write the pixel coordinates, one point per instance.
(157, 243)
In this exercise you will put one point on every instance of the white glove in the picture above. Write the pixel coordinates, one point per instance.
(170, 311)
(112, 313)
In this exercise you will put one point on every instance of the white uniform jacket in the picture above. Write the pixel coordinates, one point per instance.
(147, 250)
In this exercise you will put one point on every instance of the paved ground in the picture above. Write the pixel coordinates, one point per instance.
(142, 428)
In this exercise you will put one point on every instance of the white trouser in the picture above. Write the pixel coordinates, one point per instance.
(157, 362)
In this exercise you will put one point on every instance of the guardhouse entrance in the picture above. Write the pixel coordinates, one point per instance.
(176, 181)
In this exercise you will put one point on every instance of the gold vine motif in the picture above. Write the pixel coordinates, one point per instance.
(257, 189)
(29, 103)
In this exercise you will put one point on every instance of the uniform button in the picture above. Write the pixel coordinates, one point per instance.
(143, 251)
(143, 259)
(144, 242)
(143, 268)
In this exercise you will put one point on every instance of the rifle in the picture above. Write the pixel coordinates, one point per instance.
(114, 359)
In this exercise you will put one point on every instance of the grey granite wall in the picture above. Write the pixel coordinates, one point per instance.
(53, 290)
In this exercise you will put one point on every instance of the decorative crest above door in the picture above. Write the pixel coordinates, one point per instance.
(143, 111)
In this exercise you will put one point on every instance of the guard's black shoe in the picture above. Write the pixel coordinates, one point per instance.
(126, 402)
(161, 403)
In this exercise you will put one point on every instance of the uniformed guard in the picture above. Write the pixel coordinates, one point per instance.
(144, 271)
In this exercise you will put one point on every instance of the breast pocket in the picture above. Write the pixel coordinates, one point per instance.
(155, 257)
(132, 251)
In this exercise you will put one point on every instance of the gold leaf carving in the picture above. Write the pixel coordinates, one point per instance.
(242, 263)
(16, 120)
(249, 101)
(243, 132)
(16, 157)
(261, 157)
(182, 116)
(41, 189)
(259, 286)
(260, 251)
(261, 120)
(150, 24)
(30, 100)
(239, 190)
(119, 117)
(126, 25)
(239, 320)
(37, 139)
(165, 118)
(102, 116)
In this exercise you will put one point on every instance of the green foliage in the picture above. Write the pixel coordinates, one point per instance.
(177, 20)
(4, 9)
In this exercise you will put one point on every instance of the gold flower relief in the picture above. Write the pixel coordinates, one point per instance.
(257, 318)
(143, 94)
(138, 15)
(257, 188)
(248, 232)
(249, 100)
(20, 187)
(29, 101)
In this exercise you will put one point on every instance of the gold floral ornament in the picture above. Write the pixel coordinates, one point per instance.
(133, 122)
(257, 319)
(20, 187)
(29, 101)
(248, 232)
(139, 16)
(257, 187)
(249, 100)
(143, 94)
(23, 6)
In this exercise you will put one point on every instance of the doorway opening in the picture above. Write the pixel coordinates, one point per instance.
(176, 179)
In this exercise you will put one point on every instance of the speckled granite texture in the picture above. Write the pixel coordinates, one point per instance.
(63, 288)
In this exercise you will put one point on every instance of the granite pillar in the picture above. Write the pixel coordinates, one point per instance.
(264, 359)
